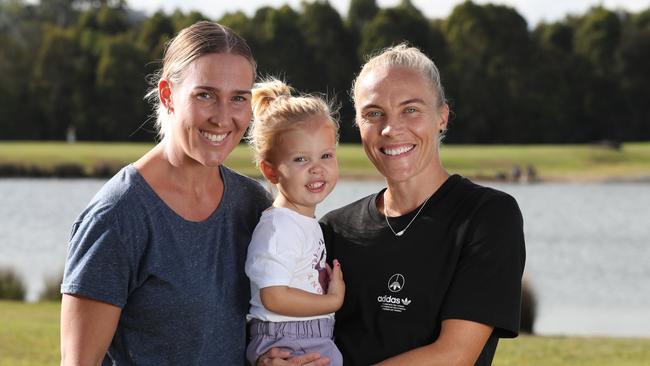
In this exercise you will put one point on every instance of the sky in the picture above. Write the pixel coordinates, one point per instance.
(533, 10)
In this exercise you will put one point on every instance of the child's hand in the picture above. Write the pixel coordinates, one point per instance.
(336, 287)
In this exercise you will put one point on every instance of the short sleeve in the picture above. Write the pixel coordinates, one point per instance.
(99, 266)
(486, 287)
(275, 248)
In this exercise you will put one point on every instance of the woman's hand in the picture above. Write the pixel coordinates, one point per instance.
(278, 357)
(336, 287)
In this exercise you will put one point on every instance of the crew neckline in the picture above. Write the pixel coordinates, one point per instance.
(217, 211)
(436, 197)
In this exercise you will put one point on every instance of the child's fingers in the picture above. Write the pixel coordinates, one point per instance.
(337, 271)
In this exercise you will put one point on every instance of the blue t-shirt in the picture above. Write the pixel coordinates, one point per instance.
(181, 284)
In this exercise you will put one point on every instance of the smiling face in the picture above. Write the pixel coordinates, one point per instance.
(303, 166)
(399, 119)
(210, 108)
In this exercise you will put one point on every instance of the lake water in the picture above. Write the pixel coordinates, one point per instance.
(588, 245)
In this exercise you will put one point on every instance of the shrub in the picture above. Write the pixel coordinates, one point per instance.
(11, 285)
(68, 170)
(8, 169)
(106, 168)
(528, 307)
(52, 290)
(36, 171)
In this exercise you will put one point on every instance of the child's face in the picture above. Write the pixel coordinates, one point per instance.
(305, 166)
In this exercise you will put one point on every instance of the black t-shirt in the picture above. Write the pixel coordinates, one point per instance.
(462, 258)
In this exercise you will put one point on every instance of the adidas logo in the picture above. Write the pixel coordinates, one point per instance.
(393, 300)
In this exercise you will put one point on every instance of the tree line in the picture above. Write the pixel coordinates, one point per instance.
(84, 64)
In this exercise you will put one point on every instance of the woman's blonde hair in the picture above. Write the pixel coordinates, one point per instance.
(276, 110)
(198, 39)
(404, 55)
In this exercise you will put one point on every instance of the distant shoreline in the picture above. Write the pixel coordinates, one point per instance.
(495, 163)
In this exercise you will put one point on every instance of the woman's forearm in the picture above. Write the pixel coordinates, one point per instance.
(460, 343)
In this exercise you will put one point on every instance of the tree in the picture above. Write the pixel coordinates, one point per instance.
(112, 20)
(634, 71)
(334, 57)
(490, 50)
(154, 34)
(58, 75)
(81, 63)
(326, 36)
(360, 13)
(281, 49)
(121, 87)
(597, 42)
(245, 27)
(560, 80)
(597, 39)
(15, 102)
(395, 25)
(182, 20)
(59, 12)
(20, 32)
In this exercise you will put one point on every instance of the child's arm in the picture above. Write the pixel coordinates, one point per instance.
(291, 301)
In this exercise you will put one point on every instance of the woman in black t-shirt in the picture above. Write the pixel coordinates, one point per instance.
(433, 262)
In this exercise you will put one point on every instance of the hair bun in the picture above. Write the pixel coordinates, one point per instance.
(266, 92)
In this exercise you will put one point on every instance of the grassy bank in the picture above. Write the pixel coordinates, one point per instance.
(29, 335)
(552, 162)
(574, 351)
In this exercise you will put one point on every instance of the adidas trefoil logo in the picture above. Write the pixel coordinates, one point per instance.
(396, 282)
(406, 301)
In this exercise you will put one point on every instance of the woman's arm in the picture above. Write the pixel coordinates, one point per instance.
(460, 343)
(87, 328)
(290, 301)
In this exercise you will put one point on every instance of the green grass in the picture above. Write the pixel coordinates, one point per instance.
(556, 162)
(552, 162)
(29, 335)
(574, 351)
(87, 154)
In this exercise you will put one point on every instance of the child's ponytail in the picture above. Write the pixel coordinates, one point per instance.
(265, 93)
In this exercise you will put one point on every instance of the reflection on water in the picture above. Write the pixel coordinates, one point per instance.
(588, 245)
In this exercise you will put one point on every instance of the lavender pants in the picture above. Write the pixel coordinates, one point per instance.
(299, 338)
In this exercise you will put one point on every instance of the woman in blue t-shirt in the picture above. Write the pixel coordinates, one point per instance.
(155, 266)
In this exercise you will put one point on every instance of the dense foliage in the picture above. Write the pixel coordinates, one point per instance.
(83, 65)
